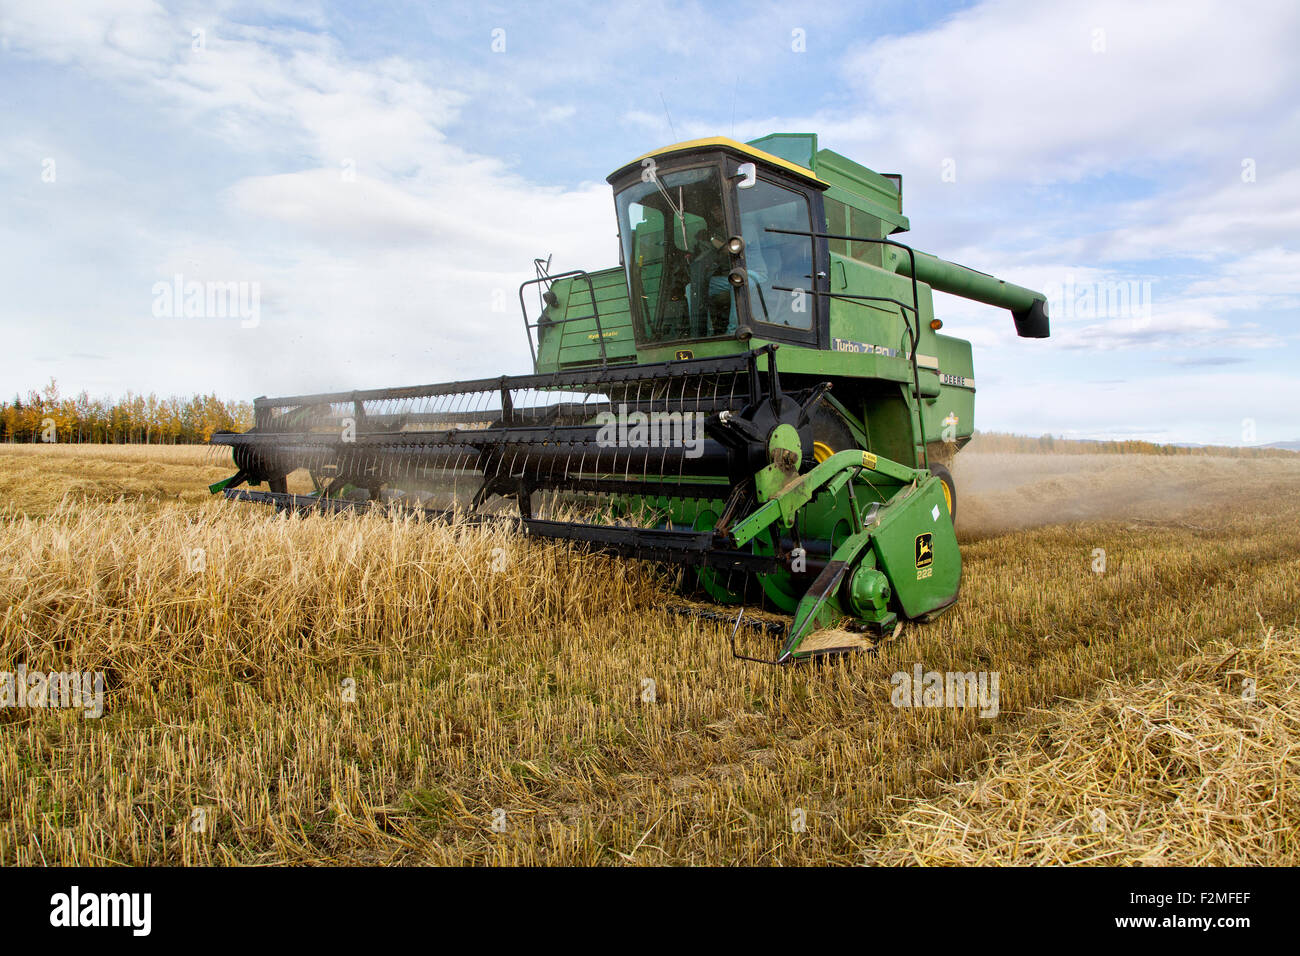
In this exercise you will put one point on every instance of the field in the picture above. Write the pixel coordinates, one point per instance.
(380, 690)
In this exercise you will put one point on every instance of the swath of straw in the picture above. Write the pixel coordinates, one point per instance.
(1188, 770)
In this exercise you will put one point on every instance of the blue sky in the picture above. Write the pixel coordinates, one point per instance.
(385, 176)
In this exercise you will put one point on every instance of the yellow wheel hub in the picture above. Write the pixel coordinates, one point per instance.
(947, 495)
(822, 451)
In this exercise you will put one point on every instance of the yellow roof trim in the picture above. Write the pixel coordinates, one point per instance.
(724, 142)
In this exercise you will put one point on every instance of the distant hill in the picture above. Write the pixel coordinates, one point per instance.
(995, 442)
(1284, 445)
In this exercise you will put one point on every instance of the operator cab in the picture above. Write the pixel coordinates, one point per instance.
(704, 260)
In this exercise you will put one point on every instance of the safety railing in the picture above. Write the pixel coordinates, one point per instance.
(543, 323)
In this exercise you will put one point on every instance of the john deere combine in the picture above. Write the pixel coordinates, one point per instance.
(759, 392)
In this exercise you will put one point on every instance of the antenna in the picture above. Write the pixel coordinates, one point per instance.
(666, 113)
(734, 87)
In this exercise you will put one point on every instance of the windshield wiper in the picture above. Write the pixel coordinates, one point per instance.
(762, 301)
(681, 216)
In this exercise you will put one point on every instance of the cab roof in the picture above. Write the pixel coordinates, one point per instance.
(731, 145)
(797, 154)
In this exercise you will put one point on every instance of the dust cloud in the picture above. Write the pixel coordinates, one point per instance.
(1002, 492)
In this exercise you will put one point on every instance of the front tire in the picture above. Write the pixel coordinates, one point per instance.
(949, 489)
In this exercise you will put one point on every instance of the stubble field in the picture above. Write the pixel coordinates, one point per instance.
(374, 689)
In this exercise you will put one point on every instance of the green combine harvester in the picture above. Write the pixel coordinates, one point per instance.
(759, 392)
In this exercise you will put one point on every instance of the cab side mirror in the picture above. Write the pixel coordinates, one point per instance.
(748, 174)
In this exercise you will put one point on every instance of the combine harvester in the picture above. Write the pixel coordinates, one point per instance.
(759, 392)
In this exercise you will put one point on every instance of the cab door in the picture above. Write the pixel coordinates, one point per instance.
(786, 266)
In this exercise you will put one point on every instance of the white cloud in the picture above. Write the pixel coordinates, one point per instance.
(1218, 219)
(1156, 407)
(1015, 88)
(380, 257)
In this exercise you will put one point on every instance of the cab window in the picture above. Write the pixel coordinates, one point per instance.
(780, 266)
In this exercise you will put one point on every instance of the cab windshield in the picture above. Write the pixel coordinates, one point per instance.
(674, 234)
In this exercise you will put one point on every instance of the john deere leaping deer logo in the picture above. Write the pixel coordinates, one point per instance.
(924, 550)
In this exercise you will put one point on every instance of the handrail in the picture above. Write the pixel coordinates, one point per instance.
(595, 312)
(913, 333)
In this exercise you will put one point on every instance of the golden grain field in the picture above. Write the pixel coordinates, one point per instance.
(377, 689)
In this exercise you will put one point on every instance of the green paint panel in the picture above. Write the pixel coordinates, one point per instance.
(568, 336)
(916, 547)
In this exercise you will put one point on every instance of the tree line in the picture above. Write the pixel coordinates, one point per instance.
(133, 419)
(137, 419)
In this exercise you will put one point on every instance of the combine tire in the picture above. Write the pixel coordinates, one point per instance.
(830, 434)
(949, 488)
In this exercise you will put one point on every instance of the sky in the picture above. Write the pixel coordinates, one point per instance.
(381, 176)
